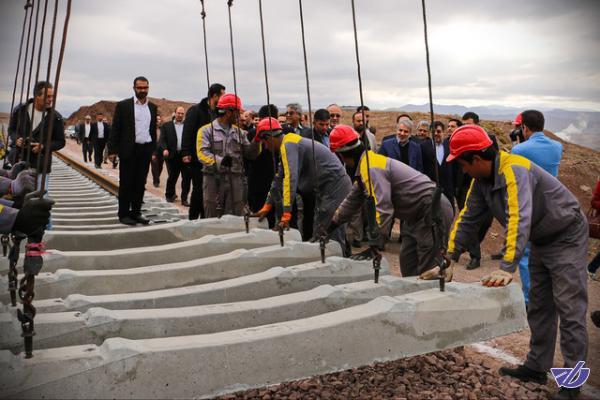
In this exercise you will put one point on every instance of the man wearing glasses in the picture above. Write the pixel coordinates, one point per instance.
(293, 116)
(335, 114)
(133, 138)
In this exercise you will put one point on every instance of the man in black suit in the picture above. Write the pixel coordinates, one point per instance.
(196, 117)
(435, 157)
(133, 137)
(169, 145)
(85, 135)
(98, 135)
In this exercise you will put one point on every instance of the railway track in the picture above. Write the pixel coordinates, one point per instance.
(194, 309)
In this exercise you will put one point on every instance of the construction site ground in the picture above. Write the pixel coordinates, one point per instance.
(466, 372)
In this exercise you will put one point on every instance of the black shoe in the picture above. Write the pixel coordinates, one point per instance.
(356, 243)
(497, 256)
(185, 203)
(566, 394)
(141, 220)
(596, 318)
(156, 184)
(170, 199)
(525, 374)
(474, 263)
(98, 166)
(127, 221)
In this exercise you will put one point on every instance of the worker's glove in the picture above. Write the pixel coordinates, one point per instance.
(33, 215)
(227, 161)
(16, 169)
(333, 225)
(284, 222)
(497, 278)
(262, 213)
(23, 184)
(434, 273)
(363, 255)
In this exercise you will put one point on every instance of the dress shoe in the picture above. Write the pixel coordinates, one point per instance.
(474, 263)
(185, 203)
(525, 374)
(127, 221)
(156, 184)
(141, 220)
(170, 199)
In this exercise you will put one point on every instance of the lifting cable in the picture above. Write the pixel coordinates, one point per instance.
(438, 232)
(239, 131)
(12, 103)
(48, 69)
(373, 233)
(7, 249)
(20, 153)
(37, 76)
(322, 238)
(27, 136)
(264, 53)
(212, 128)
(33, 258)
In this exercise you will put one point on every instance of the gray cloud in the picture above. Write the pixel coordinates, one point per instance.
(542, 52)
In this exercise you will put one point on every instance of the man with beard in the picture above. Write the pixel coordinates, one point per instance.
(133, 138)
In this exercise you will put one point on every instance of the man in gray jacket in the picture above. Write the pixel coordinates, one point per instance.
(533, 206)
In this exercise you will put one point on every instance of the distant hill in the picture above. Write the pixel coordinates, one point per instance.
(166, 108)
(581, 127)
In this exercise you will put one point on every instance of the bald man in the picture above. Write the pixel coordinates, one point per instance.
(169, 145)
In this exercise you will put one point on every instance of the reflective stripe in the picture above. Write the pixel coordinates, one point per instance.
(459, 219)
(375, 161)
(513, 215)
(507, 162)
(1, 208)
(203, 157)
(289, 138)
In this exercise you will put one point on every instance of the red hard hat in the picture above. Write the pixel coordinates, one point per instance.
(468, 138)
(518, 120)
(230, 101)
(341, 136)
(269, 124)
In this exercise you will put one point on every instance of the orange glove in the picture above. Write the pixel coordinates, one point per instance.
(262, 213)
(497, 278)
(284, 222)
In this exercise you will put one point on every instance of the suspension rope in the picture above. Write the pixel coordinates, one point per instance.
(264, 54)
(312, 132)
(372, 226)
(21, 152)
(61, 55)
(28, 134)
(431, 127)
(48, 69)
(212, 129)
(239, 131)
(12, 103)
(37, 76)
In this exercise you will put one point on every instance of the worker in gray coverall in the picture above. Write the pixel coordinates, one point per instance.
(400, 192)
(222, 147)
(533, 206)
(297, 172)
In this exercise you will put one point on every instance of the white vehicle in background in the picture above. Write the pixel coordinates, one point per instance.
(70, 132)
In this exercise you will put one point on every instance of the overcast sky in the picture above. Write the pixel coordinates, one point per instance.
(542, 53)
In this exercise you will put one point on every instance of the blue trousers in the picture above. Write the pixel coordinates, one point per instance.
(524, 272)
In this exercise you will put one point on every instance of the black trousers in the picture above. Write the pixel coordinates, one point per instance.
(86, 149)
(157, 167)
(197, 199)
(133, 171)
(175, 167)
(99, 145)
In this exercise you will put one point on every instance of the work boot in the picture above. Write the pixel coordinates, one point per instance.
(566, 394)
(474, 263)
(356, 243)
(525, 374)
